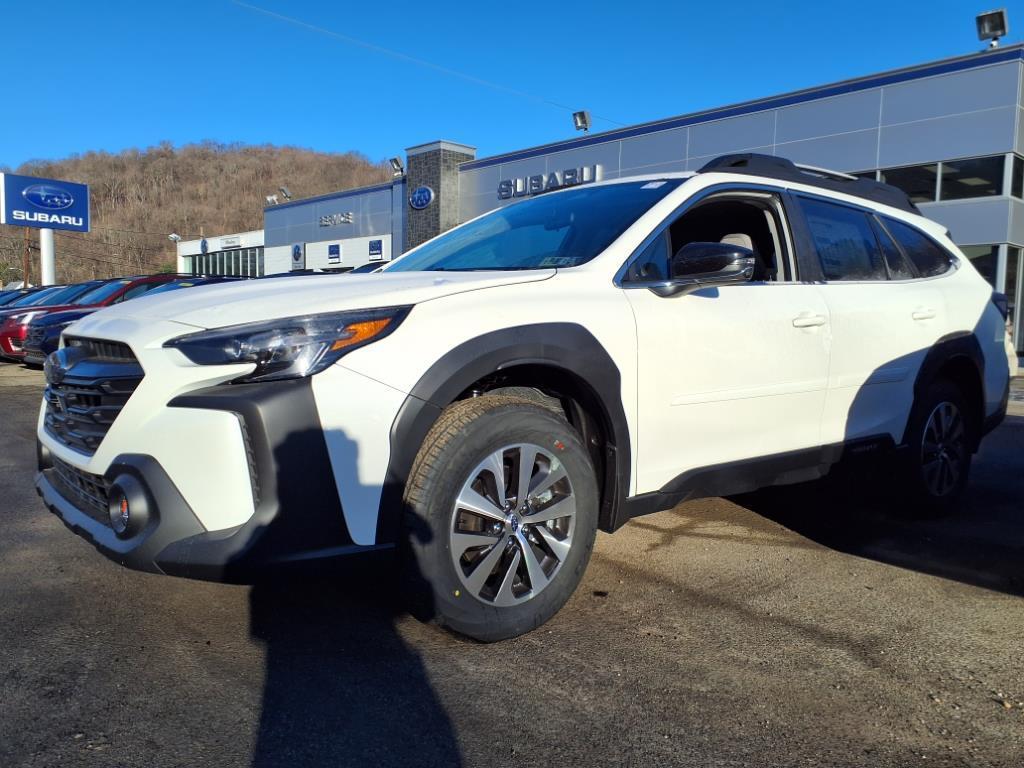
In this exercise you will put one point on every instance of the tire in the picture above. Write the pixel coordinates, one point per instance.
(939, 445)
(493, 590)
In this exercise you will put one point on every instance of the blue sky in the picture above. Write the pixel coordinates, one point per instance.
(111, 75)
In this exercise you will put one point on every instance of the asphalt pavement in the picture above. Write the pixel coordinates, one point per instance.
(809, 626)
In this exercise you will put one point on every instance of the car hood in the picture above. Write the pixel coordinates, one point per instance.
(215, 306)
(63, 316)
(39, 311)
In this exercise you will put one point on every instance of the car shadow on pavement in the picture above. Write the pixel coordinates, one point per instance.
(341, 685)
(981, 543)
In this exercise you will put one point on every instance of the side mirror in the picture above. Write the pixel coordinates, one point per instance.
(703, 265)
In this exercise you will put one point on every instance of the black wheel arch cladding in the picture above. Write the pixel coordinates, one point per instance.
(961, 352)
(566, 346)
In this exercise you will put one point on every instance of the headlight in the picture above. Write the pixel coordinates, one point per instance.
(290, 347)
(26, 317)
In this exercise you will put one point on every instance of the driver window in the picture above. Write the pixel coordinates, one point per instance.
(747, 223)
(752, 223)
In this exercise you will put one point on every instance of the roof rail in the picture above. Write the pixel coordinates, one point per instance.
(772, 167)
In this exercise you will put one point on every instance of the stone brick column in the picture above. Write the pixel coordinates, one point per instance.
(434, 165)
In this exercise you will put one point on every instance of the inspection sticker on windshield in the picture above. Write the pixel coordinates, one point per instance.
(653, 185)
(557, 261)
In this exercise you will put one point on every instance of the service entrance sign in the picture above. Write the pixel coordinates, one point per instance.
(28, 201)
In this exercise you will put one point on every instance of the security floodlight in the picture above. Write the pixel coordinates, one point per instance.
(271, 199)
(397, 169)
(581, 120)
(284, 191)
(991, 26)
(174, 236)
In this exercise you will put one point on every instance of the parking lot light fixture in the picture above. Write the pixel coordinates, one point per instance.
(581, 120)
(992, 25)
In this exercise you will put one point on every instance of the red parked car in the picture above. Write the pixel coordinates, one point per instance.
(14, 321)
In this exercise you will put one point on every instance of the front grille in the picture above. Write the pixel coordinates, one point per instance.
(83, 400)
(34, 338)
(86, 491)
(104, 351)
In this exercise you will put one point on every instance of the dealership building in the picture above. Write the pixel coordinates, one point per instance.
(947, 132)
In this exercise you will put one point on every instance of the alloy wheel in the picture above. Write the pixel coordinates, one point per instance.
(512, 524)
(943, 448)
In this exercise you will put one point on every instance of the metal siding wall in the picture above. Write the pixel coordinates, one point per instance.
(945, 138)
(300, 223)
(952, 94)
(1016, 228)
(942, 117)
(855, 151)
(826, 117)
(973, 222)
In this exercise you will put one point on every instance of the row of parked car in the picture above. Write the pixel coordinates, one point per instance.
(32, 319)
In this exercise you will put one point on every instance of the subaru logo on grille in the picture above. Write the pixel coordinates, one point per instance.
(48, 197)
(58, 363)
(421, 197)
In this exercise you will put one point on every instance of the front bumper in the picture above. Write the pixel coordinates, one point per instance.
(298, 515)
(11, 346)
(36, 351)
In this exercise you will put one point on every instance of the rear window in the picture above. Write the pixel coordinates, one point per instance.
(899, 269)
(925, 253)
(844, 240)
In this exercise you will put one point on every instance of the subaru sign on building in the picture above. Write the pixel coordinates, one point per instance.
(27, 201)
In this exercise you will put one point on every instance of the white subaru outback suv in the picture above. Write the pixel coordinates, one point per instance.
(493, 397)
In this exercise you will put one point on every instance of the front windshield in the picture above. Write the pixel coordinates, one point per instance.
(103, 292)
(564, 229)
(31, 299)
(66, 295)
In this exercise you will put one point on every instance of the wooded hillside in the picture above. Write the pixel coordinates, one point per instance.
(138, 197)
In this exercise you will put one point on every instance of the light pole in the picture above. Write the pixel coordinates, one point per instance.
(175, 238)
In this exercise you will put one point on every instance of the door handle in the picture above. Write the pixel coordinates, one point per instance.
(807, 320)
(923, 314)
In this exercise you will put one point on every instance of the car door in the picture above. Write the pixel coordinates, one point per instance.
(728, 374)
(883, 321)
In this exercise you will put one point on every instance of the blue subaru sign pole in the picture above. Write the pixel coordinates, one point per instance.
(46, 204)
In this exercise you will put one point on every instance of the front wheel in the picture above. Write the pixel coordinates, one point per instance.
(501, 515)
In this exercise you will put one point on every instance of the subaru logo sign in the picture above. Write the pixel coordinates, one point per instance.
(28, 201)
(421, 197)
(48, 197)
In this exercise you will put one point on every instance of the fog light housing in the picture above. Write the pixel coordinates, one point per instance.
(127, 506)
(44, 458)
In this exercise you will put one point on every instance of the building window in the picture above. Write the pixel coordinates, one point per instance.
(918, 181)
(977, 177)
(186, 264)
(1017, 177)
(984, 258)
